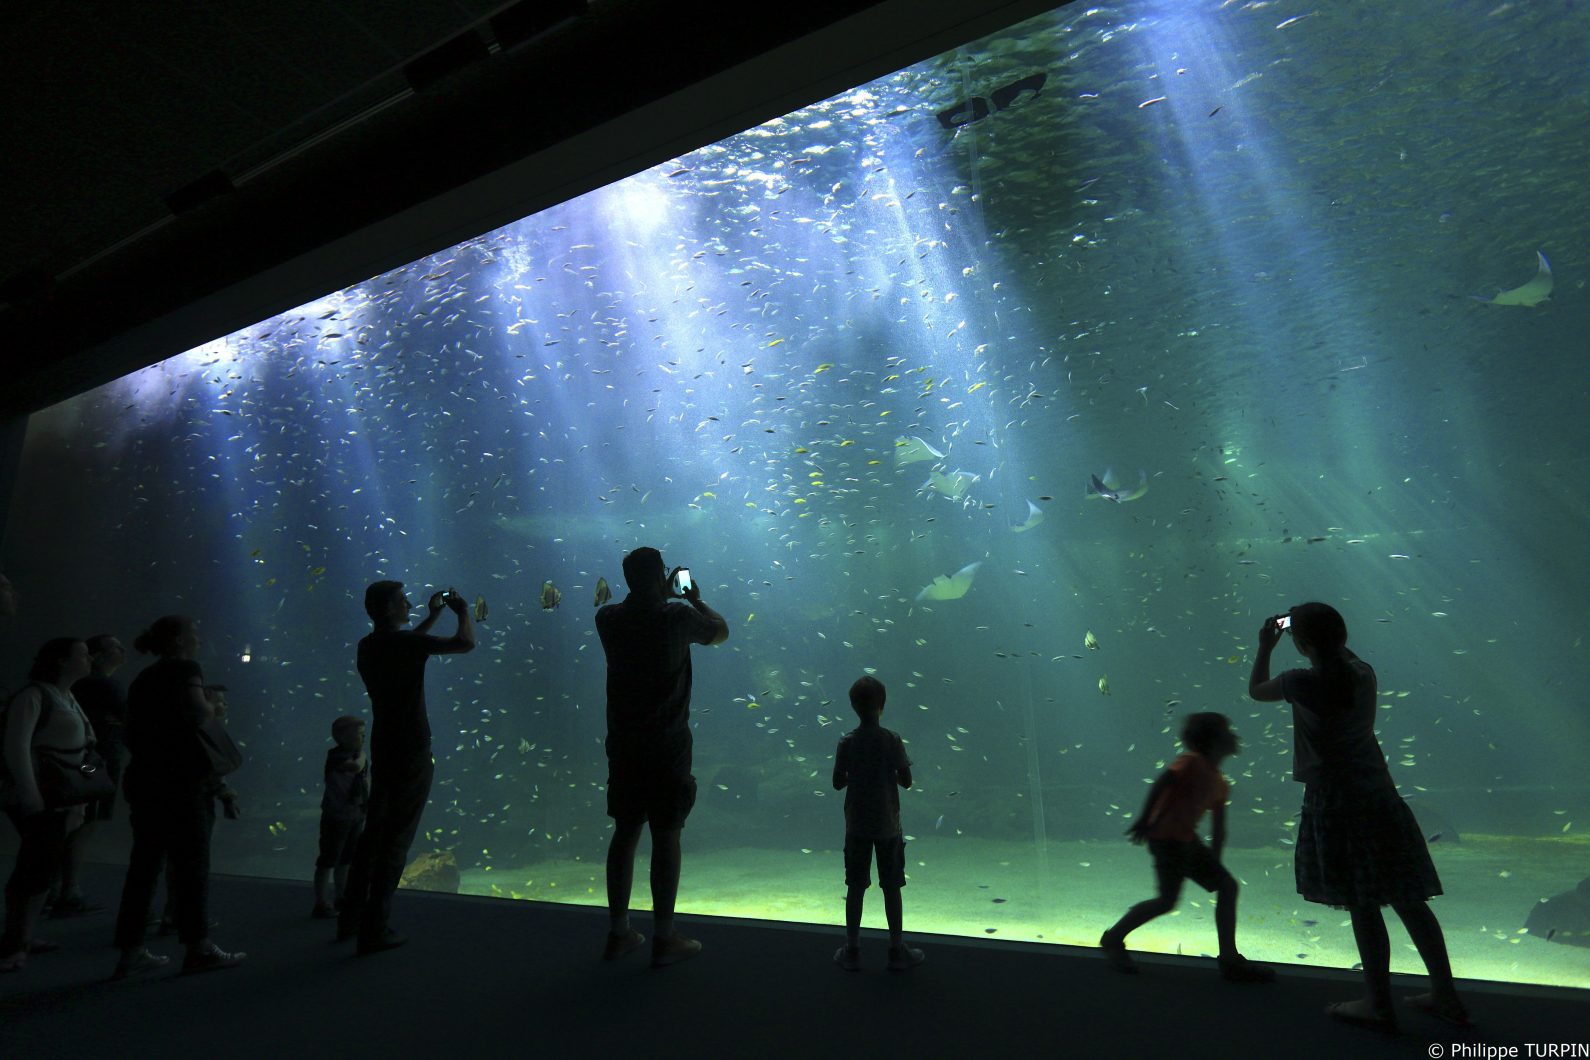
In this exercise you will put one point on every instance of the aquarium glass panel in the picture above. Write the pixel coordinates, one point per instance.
(1030, 379)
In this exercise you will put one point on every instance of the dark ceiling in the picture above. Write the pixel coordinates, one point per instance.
(176, 169)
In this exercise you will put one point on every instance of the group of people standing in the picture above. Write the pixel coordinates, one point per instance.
(1358, 846)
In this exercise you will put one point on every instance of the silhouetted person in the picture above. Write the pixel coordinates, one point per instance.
(41, 719)
(647, 640)
(1178, 799)
(216, 789)
(170, 799)
(102, 699)
(1358, 845)
(392, 663)
(342, 811)
(870, 767)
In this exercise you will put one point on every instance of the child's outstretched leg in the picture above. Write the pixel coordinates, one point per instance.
(1113, 941)
(1442, 1000)
(1234, 967)
(901, 956)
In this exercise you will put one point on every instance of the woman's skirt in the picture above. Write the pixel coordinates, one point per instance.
(1358, 845)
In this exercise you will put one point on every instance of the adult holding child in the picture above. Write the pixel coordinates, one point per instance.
(45, 735)
(169, 788)
(647, 639)
(1358, 845)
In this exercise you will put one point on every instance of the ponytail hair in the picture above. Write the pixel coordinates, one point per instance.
(163, 636)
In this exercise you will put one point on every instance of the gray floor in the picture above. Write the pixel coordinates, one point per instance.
(484, 977)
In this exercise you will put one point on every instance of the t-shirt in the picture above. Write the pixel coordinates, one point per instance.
(102, 700)
(867, 761)
(392, 664)
(1333, 725)
(347, 791)
(163, 724)
(649, 677)
(1196, 787)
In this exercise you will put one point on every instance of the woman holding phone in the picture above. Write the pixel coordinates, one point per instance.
(1358, 845)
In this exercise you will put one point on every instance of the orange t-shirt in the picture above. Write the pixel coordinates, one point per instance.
(1195, 786)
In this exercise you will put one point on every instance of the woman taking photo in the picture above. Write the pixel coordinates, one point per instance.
(1358, 845)
(167, 786)
(44, 729)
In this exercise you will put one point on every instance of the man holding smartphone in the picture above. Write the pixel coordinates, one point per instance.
(392, 663)
(647, 639)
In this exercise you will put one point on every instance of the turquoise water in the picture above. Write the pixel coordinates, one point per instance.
(1226, 252)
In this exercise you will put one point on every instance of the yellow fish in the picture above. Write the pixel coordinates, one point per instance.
(1090, 641)
(975, 387)
(1104, 685)
(480, 609)
(550, 597)
(821, 368)
(603, 593)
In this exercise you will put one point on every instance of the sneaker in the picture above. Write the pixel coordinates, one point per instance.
(72, 905)
(211, 960)
(848, 957)
(387, 940)
(1239, 969)
(672, 950)
(622, 945)
(1115, 952)
(323, 912)
(904, 958)
(139, 963)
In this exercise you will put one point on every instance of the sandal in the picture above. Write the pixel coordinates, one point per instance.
(1451, 1012)
(1359, 1014)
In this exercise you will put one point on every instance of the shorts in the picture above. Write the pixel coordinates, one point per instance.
(1176, 860)
(891, 861)
(641, 791)
(338, 840)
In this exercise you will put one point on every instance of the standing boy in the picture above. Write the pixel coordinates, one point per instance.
(342, 810)
(870, 766)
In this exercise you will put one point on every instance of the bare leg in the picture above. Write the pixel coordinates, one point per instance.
(1226, 918)
(665, 859)
(1374, 949)
(893, 910)
(1138, 915)
(1425, 931)
(621, 873)
(854, 897)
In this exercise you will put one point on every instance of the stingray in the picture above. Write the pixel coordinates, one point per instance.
(909, 449)
(951, 588)
(1110, 489)
(952, 485)
(1034, 517)
(1534, 292)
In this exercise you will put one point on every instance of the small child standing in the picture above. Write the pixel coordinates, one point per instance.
(870, 766)
(1190, 785)
(342, 810)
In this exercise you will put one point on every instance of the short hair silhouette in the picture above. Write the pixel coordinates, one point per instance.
(643, 568)
(1320, 624)
(867, 696)
(162, 635)
(378, 595)
(51, 658)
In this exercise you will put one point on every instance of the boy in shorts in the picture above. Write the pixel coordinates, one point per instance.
(342, 813)
(1177, 801)
(871, 767)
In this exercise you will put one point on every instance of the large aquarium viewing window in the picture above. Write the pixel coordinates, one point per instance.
(1030, 379)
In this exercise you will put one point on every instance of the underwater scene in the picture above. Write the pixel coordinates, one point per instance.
(1029, 379)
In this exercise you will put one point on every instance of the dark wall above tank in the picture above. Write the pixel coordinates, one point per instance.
(181, 177)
